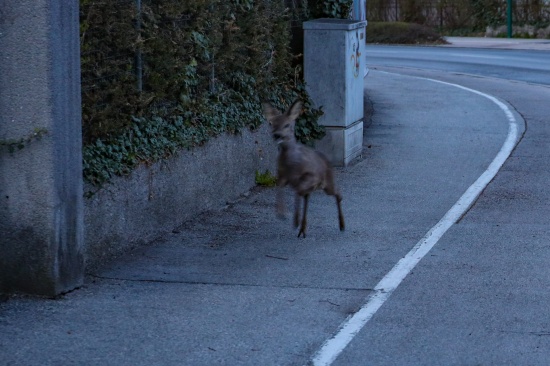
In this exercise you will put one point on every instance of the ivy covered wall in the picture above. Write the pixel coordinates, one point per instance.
(162, 75)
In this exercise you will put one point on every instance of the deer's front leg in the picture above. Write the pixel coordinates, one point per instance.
(304, 217)
(280, 201)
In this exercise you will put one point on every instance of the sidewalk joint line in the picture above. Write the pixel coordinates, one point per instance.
(205, 283)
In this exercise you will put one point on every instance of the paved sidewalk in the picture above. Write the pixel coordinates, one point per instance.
(236, 287)
(502, 43)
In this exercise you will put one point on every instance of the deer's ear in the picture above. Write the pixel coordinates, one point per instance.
(269, 112)
(294, 110)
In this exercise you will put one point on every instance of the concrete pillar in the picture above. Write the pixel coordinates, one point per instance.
(41, 201)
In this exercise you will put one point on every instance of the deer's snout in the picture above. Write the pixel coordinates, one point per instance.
(279, 137)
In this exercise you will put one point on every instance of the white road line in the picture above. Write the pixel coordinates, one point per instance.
(331, 348)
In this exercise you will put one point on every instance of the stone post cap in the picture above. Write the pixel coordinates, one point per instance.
(334, 24)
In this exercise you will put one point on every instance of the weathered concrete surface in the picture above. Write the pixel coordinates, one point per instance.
(333, 70)
(154, 200)
(41, 222)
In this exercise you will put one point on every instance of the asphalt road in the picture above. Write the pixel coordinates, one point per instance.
(481, 297)
(236, 287)
(531, 66)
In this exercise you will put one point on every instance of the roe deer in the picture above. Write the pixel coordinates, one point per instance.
(304, 169)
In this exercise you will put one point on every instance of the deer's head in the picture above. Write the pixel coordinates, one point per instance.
(282, 124)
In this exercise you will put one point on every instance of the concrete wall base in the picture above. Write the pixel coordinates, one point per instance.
(155, 199)
(342, 145)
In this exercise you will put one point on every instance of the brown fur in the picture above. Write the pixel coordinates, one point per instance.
(299, 166)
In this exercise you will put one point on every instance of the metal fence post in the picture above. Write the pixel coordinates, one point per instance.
(509, 18)
(139, 60)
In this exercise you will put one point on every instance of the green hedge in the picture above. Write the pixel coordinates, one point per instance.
(206, 66)
(459, 16)
(402, 33)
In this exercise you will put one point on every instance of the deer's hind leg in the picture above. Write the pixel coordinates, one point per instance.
(340, 214)
(297, 205)
(331, 190)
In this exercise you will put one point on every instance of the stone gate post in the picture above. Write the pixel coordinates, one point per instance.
(41, 202)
